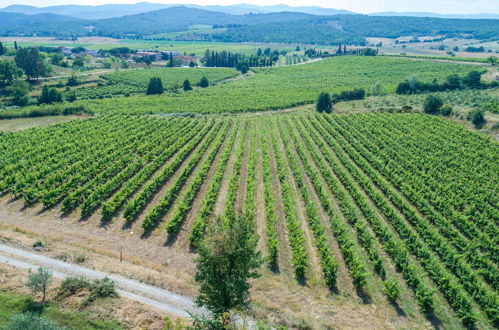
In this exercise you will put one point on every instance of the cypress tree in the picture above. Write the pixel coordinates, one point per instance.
(324, 103)
(187, 85)
(155, 86)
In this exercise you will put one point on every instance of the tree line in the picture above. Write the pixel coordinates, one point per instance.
(263, 58)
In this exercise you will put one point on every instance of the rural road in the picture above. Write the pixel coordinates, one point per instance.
(161, 299)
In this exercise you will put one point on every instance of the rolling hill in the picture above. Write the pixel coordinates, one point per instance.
(119, 10)
(13, 19)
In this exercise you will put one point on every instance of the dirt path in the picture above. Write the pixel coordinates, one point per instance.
(164, 300)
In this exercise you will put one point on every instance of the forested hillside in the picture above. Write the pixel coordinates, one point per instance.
(14, 19)
(286, 27)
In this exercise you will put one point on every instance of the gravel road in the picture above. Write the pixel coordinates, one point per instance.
(161, 299)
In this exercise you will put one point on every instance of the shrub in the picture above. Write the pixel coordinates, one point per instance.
(476, 117)
(354, 94)
(76, 110)
(38, 244)
(432, 104)
(80, 258)
(377, 89)
(102, 288)
(446, 110)
(72, 285)
(72, 81)
(30, 320)
(204, 82)
(492, 107)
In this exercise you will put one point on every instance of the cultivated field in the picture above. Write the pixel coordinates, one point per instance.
(353, 204)
(135, 81)
(284, 87)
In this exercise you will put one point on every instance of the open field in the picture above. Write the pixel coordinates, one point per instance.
(342, 203)
(190, 47)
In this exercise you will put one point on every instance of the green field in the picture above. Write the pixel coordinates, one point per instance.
(282, 87)
(190, 47)
(136, 80)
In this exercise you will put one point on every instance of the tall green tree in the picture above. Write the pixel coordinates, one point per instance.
(243, 67)
(19, 91)
(324, 103)
(9, 72)
(171, 64)
(2, 49)
(227, 260)
(473, 79)
(155, 86)
(49, 95)
(31, 62)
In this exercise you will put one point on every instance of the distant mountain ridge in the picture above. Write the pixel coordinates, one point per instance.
(287, 27)
(171, 19)
(117, 10)
(14, 19)
(435, 15)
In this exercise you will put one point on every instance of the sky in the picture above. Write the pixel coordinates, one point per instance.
(359, 6)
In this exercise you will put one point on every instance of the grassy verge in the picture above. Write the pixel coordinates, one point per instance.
(12, 304)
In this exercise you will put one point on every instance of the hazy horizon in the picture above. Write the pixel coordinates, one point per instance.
(360, 6)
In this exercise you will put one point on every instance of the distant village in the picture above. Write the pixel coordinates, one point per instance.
(126, 54)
